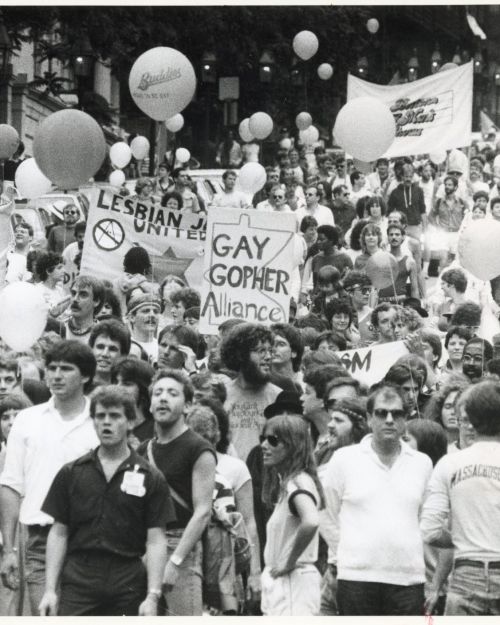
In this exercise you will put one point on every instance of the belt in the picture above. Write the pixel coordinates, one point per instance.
(477, 564)
(39, 529)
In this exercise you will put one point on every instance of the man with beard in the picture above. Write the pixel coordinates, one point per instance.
(381, 319)
(230, 197)
(447, 214)
(108, 340)
(143, 313)
(61, 236)
(247, 350)
(477, 352)
(87, 295)
(407, 268)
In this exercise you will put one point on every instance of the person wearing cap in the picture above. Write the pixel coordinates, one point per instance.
(143, 314)
(87, 297)
(110, 509)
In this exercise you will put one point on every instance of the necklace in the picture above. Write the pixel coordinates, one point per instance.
(77, 331)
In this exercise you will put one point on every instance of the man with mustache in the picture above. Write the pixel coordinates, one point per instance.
(247, 350)
(477, 352)
(143, 313)
(87, 295)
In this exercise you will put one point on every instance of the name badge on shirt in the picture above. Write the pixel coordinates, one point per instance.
(133, 483)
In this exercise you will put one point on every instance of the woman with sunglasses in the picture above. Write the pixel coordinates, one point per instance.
(290, 581)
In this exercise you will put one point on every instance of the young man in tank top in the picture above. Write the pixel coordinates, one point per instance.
(407, 269)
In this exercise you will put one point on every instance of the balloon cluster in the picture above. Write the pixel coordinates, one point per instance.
(121, 154)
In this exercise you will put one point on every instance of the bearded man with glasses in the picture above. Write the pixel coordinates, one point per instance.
(374, 492)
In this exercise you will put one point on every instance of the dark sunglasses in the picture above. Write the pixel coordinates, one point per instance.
(279, 197)
(70, 213)
(382, 413)
(272, 439)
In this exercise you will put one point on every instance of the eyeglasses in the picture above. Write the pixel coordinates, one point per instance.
(365, 290)
(279, 197)
(383, 413)
(272, 439)
(70, 213)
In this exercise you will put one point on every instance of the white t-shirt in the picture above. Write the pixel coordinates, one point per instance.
(233, 199)
(322, 214)
(234, 470)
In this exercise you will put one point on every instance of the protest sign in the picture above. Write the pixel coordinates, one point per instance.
(431, 114)
(370, 364)
(248, 266)
(174, 240)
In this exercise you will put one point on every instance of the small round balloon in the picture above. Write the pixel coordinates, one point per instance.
(305, 44)
(175, 123)
(117, 178)
(182, 155)
(365, 128)
(303, 121)
(447, 66)
(478, 245)
(120, 154)
(69, 147)
(252, 177)
(309, 136)
(162, 82)
(286, 144)
(9, 141)
(260, 125)
(139, 147)
(372, 25)
(244, 130)
(437, 157)
(382, 269)
(30, 181)
(23, 315)
(325, 71)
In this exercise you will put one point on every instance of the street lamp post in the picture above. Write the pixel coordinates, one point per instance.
(208, 78)
(83, 57)
(413, 67)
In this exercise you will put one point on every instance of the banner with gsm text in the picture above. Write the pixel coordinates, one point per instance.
(248, 265)
(370, 364)
(174, 240)
(432, 114)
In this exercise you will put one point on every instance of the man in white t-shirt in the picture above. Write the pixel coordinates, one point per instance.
(17, 257)
(462, 507)
(230, 197)
(374, 492)
(322, 214)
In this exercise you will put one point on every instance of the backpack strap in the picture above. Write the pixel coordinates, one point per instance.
(175, 496)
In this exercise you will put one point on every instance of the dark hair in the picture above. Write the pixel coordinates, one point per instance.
(434, 407)
(375, 200)
(240, 341)
(131, 369)
(387, 390)
(482, 405)
(177, 171)
(374, 229)
(307, 222)
(403, 219)
(114, 330)
(355, 410)
(480, 194)
(46, 262)
(14, 401)
(467, 314)
(185, 335)
(178, 376)
(95, 284)
(229, 324)
(187, 296)
(141, 183)
(26, 226)
(493, 366)
(294, 338)
(407, 368)
(332, 339)
(311, 321)
(383, 307)
(431, 438)
(343, 379)
(111, 298)
(320, 377)
(330, 232)
(222, 419)
(459, 331)
(453, 179)
(321, 358)
(229, 172)
(355, 176)
(337, 306)
(76, 353)
(172, 195)
(112, 395)
(355, 240)
(202, 378)
(434, 341)
(81, 226)
(493, 201)
(137, 260)
(486, 346)
(356, 278)
(193, 313)
(457, 278)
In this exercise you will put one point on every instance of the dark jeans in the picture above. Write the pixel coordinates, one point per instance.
(374, 599)
(101, 584)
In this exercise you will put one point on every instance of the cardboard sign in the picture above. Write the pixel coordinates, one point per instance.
(174, 240)
(248, 266)
(370, 364)
(431, 114)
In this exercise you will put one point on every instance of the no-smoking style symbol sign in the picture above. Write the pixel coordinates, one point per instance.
(108, 234)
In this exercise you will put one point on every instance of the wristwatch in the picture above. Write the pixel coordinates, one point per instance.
(176, 561)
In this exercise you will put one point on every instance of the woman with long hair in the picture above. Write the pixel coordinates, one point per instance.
(371, 241)
(290, 581)
(442, 408)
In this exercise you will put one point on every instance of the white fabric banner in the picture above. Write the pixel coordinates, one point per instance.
(370, 364)
(174, 240)
(432, 114)
(249, 259)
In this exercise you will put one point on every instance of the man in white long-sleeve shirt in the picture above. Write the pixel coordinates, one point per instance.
(374, 492)
(465, 488)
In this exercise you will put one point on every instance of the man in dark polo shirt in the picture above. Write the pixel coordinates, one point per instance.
(408, 198)
(110, 507)
(188, 462)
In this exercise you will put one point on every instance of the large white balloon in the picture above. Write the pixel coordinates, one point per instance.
(260, 125)
(365, 128)
(9, 141)
(252, 177)
(372, 25)
(139, 147)
(303, 120)
(309, 136)
(117, 178)
(244, 130)
(175, 123)
(447, 66)
(162, 82)
(325, 71)
(286, 143)
(182, 155)
(478, 246)
(30, 181)
(23, 315)
(305, 44)
(438, 157)
(382, 269)
(120, 154)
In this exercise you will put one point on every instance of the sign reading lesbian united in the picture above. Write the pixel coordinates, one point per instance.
(431, 114)
(370, 364)
(174, 240)
(248, 265)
